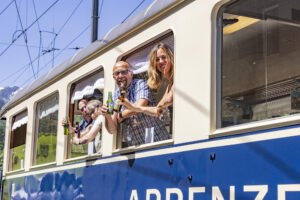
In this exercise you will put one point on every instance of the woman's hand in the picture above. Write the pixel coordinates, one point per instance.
(126, 103)
(160, 111)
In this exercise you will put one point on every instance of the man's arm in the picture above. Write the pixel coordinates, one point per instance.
(86, 131)
(89, 136)
(71, 129)
(90, 133)
(110, 120)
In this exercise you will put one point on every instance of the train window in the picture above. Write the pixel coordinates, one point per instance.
(129, 128)
(17, 141)
(260, 75)
(47, 116)
(82, 92)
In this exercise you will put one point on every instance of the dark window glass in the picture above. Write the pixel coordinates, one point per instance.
(260, 73)
(17, 141)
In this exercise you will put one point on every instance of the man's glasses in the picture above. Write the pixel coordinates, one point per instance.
(122, 72)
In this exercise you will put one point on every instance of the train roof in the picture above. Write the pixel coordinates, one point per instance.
(110, 36)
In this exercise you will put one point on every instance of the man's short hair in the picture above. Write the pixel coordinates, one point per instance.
(93, 103)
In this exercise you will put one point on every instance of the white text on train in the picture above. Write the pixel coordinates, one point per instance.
(261, 191)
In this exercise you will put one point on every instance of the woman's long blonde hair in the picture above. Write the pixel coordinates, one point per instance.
(155, 76)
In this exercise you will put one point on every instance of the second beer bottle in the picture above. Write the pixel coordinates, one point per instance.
(110, 104)
(118, 106)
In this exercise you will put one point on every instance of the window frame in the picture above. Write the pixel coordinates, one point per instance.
(117, 149)
(9, 158)
(70, 88)
(216, 107)
(36, 132)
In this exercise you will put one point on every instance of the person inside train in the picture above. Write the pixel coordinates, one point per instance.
(136, 128)
(83, 125)
(86, 120)
(161, 65)
(93, 110)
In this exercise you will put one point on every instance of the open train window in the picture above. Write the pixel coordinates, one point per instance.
(138, 59)
(17, 141)
(83, 91)
(259, 74)
(46, 130)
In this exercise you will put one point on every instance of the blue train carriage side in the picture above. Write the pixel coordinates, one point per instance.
(233, 124)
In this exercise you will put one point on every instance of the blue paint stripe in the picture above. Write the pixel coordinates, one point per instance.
(171, 146)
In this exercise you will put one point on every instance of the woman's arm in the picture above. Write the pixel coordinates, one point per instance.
(137, 108)
(166, 101)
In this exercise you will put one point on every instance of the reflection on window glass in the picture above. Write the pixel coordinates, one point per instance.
(17, 141)
(260, 73)
(47, 130)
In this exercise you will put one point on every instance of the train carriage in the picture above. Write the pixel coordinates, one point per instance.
(233, 124)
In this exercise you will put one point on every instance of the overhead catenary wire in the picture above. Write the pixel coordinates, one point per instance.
(6, 7)
(25, 30)
(60, 52)
(66, 47)
(19, 45)
(41, 42)
(26, 66)
(35, 59)
(133, 11)
(25, 39)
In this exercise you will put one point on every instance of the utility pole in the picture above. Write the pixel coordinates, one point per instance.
(94, 29)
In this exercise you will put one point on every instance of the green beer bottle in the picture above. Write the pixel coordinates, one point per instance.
(110, 104)
(66, 127)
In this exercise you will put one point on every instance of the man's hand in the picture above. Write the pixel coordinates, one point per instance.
(103, 110)
(64, 122)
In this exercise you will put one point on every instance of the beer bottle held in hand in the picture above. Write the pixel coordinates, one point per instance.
(120, 99)
(66, 127)
(77, 131)
(110, 104)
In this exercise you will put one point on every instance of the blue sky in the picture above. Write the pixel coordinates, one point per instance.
(47, 21)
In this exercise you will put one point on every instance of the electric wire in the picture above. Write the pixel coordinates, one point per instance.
(19, 45)
(133, 11)
(44, 67)
(62, 27)
(25, 66)
(41, 42)
(100, 10)
(6, 7)
(25, 39)
(24, 31)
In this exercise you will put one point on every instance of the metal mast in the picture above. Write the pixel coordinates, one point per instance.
(94, 28)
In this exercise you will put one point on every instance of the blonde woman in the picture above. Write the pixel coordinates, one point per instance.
(161, 65)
